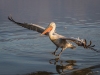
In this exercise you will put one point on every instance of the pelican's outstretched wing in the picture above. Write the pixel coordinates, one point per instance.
(82, 42)
(34, 27)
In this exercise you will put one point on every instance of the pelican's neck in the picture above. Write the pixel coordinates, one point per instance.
(51, 33)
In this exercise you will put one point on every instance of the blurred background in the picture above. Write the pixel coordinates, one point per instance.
(50, 10)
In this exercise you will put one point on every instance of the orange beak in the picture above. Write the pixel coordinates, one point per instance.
(47, 30)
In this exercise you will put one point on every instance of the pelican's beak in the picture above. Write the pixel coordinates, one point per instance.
(47, 30)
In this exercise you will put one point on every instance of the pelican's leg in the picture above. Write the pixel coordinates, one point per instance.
(60, 52)
(55, 50)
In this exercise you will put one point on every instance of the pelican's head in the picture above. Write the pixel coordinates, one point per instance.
(51, 26)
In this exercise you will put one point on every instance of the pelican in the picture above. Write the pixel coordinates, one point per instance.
(60, 41)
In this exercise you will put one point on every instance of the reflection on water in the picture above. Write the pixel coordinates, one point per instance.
(70, 67)
(67, 67)
(63, 66)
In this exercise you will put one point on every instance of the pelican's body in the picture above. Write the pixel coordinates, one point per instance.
(58, 40)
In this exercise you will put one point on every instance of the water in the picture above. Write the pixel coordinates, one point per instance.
(23, 51)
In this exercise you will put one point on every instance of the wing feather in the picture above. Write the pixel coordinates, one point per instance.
(82, 42)
(34, 27)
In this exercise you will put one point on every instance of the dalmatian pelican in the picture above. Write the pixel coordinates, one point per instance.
(59, 40)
